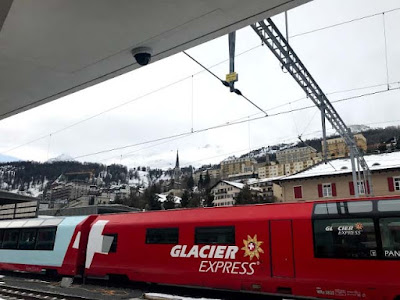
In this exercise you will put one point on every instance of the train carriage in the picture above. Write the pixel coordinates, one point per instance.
(54, 245)
(345, 249)
(336, 250)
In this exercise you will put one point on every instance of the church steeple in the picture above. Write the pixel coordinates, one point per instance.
(177, 160)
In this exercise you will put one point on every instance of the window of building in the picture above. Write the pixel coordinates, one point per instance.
(390, 233)
(396, 181)
(345, 238)
(215, 235)
(361, 187)
(162, 235)
(27, 239)
(327, 190)
(298, 192)
(46, 238)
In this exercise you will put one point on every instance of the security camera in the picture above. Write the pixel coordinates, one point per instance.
(142, 55)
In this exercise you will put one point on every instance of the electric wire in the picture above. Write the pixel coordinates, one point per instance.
(188, 133)
(386, 53)
(344, 22)
(236, 91)
(207, 69)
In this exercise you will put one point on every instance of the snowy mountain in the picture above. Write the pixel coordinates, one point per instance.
(62, 157)
(359, 128)
(7, 158)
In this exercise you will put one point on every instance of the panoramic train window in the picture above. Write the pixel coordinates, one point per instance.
(162, 235)
(46, 238)
(390, 233)
(345, 238)
(215, 235)
(10, 239)
(27, 239)
(389, 205)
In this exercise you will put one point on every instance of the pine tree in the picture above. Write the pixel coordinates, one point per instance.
(207, 180)
(190, 183)
(170, 202)
(244, 196)
(185, 199)
(200, 184)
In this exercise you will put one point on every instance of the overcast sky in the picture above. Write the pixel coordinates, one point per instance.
(344, 57)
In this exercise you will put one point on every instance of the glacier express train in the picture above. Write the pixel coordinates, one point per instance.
(345, 249)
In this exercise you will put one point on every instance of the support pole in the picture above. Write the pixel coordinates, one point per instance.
(325, 144)
(353, 171)
(232, 46)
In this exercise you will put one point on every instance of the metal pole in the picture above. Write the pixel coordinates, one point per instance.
(232, 46)
(325, 145)
(287, 28)
(353, 171)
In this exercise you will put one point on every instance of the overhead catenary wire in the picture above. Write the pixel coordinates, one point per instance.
(345, 22)
(236, 91)
(386, 50)
(226, 124)
(212, 66)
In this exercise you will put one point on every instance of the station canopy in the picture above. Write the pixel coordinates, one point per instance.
(51, 48)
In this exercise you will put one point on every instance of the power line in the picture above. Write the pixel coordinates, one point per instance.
(228, 124)
(236, 91)
(344, 22)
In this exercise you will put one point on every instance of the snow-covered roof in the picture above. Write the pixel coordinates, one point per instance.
(252, 181)
(235, 184)
(163, 198)
(343, 166)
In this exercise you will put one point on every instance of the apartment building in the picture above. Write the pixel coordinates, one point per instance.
(269, 190)
(334, 180)
(225, 192)
(337, 147)
(234, 166)
(296, 154)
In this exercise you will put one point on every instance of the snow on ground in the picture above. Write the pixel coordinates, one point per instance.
(141, 178)
(156, 296)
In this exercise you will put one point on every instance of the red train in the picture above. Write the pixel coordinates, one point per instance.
(347, 249)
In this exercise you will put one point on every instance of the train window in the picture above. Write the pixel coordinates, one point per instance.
(215, 235)
(162, 235)
(10, 240)
(110, 243)
(326, 209)
(27, 239)
(390, 233)
(46, 238)
(359, 206)
(345, 238)
(389, 205)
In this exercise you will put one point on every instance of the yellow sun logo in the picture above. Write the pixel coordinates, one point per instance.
(252, 247)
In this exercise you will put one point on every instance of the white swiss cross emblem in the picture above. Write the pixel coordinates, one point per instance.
(251, 246)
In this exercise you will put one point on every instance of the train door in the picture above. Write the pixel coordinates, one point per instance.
(282, 259)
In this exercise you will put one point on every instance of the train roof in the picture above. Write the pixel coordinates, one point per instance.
(248, 213)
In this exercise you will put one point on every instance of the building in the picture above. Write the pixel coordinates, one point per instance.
(213, 171)
(275, 169)
(234, 166)
(297, 154)
(270, 191)
(225, 192)
(338, 148)
(334, 180)
(177, 173)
